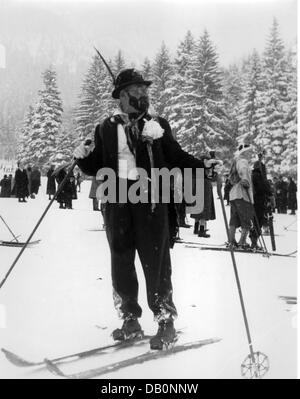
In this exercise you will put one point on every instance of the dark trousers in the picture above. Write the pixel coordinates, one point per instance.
(131, 228)
(258, 222)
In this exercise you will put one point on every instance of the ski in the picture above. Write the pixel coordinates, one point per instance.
(20, 362)
(17, 244)
(210, 248)
(198, 243)
(145, 357)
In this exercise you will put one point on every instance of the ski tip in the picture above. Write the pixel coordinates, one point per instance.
(53, 368)
(15, 359)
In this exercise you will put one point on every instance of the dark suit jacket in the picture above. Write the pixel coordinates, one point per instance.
(166, 151)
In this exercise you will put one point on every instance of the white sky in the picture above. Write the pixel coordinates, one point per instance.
(236, 27)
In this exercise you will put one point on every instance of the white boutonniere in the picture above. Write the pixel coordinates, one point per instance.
(152, 130)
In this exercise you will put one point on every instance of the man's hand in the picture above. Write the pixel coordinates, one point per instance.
(245, 183)
(208, 163)
(82, 151)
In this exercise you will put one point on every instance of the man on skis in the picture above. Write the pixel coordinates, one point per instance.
(241, 196)
(132, 227)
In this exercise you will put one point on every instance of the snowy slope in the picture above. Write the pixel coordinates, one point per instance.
(58, 298)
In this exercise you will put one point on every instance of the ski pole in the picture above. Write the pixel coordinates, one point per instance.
(256, 226)
(286, 227)
(15, 238)
(253, 363)
(58, 191)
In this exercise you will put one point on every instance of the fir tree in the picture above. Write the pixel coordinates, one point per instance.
(162, 72)
(45, 122)
(23, 150)
(232, 87)
(252, 112)
(177, 95)
(94, 100)
(275, 99)
(289, 155)
(119, 63)
(64, 149)
(146, 69)
(203, 111)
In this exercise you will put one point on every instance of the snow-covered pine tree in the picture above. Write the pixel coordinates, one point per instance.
(94, 99)
(64, 149)
(119, 63)
(23, 151)
(289, 155)
(232, 87)
(176, 97)
(46, 121)
(162, 70)
(251, 116)
(275, 99)
(146, 69)
(203, 110)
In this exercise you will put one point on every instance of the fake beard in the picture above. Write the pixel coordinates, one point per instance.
(140, 104)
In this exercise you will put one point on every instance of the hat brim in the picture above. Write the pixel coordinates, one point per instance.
(116, 92)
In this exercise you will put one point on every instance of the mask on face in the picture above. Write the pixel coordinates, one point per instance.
(140, 104)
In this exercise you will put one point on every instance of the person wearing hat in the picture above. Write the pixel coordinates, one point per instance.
(241, 196)
(137, 227)
(262, 202)
(259, 163)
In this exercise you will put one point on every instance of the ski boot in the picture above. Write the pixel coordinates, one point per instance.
(165, 337)
(244, 246)
(233, 244)
(131, 329)
(203, 232)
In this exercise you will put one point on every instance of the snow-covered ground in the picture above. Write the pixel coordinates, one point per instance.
(58, 298)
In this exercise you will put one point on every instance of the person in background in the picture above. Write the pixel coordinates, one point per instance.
(93, 190)
(282, 195)
(65, 197)
(29, 172)
(262, 196)
(292, 196)
(5, 185)
(227, 188)
(21, 183)
(208, 213)
(35, 181)
(260, 164)
(78, 181)
(241, 196)
(51, 185)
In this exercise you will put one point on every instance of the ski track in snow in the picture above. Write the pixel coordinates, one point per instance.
(58, 299)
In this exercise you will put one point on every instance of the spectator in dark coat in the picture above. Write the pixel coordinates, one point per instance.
(281, 195)
(292, 196)
(208, 213)
(51, 185)
(261, 194)
(29, 171)
(66, 196)
(21, 183)
(35, 181)
(93, 190)
(5, 185)
(78, 181)
(227, 188)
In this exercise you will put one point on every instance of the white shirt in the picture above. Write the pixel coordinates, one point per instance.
(126, 160)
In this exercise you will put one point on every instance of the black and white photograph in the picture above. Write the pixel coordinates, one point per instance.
(148, 192)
